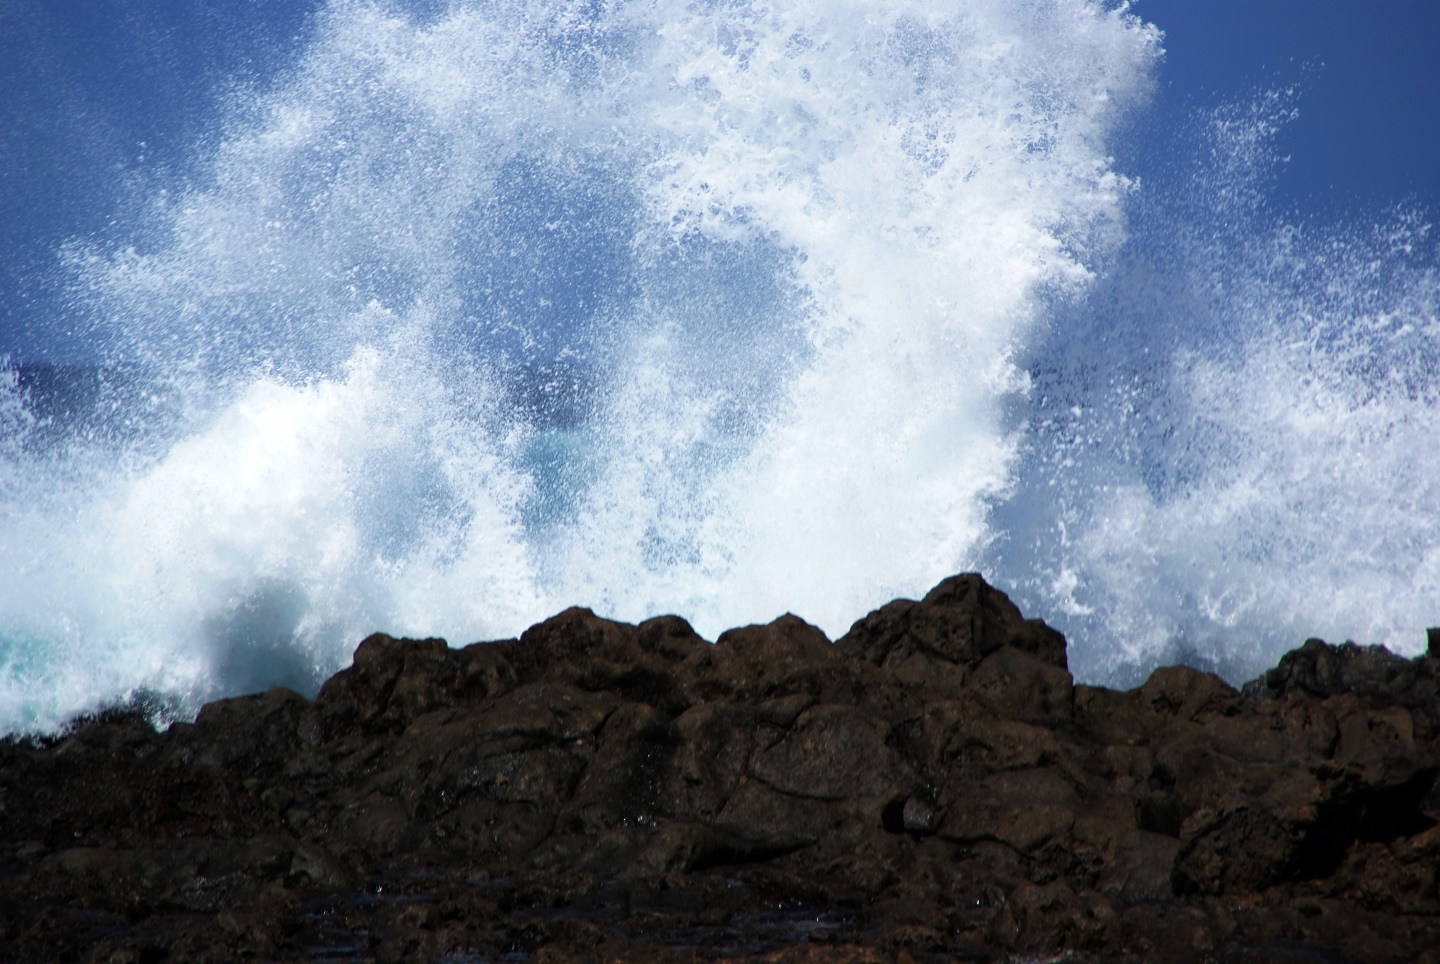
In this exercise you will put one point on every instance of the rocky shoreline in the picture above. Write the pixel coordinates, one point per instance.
(930, 787)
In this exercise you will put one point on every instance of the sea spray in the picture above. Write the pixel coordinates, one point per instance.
(718, 309)
(514, 306)
(1232, 435)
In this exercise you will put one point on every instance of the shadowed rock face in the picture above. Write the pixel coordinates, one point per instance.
(932, 786)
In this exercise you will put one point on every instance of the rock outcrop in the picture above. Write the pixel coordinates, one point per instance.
(932, 786)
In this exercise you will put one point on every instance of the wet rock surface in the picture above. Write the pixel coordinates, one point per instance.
(930, 787)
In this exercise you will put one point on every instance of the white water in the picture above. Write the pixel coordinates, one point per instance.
(1235, 441)
(724, 310)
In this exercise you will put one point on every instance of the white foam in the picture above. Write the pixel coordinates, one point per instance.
(795, 253)
(1239, 449)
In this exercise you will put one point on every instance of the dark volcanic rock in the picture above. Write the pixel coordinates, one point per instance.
(930, 787)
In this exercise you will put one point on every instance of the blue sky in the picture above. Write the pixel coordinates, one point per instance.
(103, 101)
(1368, 131)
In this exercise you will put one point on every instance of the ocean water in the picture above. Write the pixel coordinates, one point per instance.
(479, 310)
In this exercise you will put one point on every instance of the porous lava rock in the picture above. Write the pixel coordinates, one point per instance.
(930, 787)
